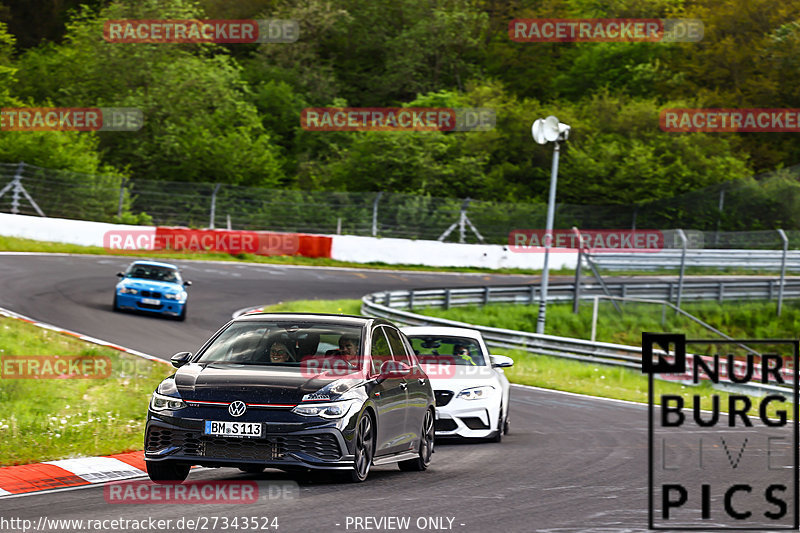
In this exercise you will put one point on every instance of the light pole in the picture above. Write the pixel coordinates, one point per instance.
(544, 131)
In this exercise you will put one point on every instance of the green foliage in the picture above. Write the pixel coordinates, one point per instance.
(230, 113)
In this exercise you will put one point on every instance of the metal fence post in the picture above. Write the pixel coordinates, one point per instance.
(375, 213)
(447, 299)
(214, 205)
(486, 291)
(576, 294)
(411, 300)
(462, 221)
(594, 317)
(783, 268)
(682, 236)
(16, 189)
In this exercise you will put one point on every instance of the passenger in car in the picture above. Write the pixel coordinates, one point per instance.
(280, 353)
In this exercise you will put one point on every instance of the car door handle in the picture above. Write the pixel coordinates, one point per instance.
(404, 385)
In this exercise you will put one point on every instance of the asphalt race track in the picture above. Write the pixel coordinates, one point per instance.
(570, 463)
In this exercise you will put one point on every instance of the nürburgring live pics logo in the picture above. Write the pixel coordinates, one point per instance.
(730, 463)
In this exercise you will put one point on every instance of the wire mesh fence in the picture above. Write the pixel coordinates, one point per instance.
(742, 214)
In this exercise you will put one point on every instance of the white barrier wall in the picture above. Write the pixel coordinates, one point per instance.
(63, 230)
(435, 253)
(343, 247)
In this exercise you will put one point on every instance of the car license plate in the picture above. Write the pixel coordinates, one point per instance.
(150, 301)
(233, 429)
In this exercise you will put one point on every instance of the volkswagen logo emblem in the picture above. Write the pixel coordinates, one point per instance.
(237, 408)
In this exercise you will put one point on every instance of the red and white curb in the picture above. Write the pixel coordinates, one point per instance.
(66, 473)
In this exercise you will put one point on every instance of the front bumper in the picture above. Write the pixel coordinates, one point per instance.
(281, 447)
(133, 302)
(466, 418)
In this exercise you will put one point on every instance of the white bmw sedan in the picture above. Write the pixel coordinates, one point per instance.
(472, 392)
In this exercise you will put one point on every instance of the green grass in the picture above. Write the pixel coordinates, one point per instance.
(47, 419)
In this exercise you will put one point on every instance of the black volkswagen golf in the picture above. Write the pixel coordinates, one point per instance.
(293, 392)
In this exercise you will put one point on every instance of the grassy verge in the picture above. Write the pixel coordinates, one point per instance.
(14, 244)
(553, 372)
(46, 419)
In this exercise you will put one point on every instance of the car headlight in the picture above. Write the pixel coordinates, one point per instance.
(326, 410)
(128, 290)
(162, 403)
(475, 393)
(176, 296)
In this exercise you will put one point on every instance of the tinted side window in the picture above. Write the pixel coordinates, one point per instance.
(380, 349)
(398, 348)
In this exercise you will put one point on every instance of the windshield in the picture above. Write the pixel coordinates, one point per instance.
(461, 351)
(282, 343)
(153, 272)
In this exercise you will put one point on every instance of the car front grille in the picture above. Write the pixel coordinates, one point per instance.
(445, 424)
(151, 294)
(321, 445)
(443, 397)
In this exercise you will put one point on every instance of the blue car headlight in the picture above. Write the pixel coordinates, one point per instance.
(128, 290)
(175, 296)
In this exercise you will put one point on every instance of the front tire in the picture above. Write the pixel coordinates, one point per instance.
(425, 447)
(115, 305)
(365, 439)
(181, 317)
(167, 472)
(498, 437)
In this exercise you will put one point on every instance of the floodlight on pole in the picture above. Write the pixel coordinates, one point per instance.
(544, 131)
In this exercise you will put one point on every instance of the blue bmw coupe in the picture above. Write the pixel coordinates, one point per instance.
(152, 287)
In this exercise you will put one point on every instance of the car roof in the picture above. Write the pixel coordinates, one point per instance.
(414, 331)
(344, 320)
(155, 263)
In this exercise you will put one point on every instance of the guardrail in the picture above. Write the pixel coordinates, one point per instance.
(385, 305)
(720, 290)
(666, 259)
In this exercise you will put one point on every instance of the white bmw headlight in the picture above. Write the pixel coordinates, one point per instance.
(176, 296)
(327, 409)
(476, 393)
(128, 290)
(159, 402)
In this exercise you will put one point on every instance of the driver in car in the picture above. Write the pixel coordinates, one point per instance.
(348, 350)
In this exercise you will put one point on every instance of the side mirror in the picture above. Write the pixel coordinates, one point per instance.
(501, 361)
(120, 275)
(187, 283)
(394, 369)
(180, 359)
